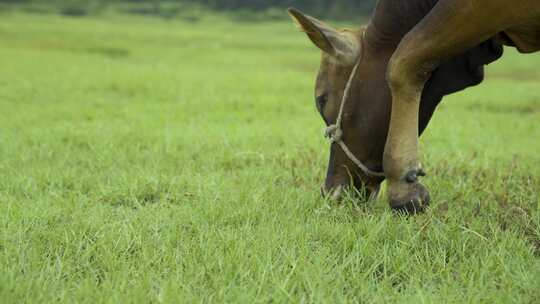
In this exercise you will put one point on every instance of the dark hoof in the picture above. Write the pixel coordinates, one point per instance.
(416, 200)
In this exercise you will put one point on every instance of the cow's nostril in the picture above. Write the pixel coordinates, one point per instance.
(333, 194)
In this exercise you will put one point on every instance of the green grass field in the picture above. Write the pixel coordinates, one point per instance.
(149, 161)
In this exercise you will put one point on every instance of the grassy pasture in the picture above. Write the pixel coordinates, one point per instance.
(144, 160)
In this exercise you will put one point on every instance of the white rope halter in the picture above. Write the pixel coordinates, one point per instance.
(335, 134)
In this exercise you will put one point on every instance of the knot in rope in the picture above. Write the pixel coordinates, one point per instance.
(334, 133)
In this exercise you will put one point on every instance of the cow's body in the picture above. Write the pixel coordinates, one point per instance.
(526, 37)
(410, 55)
(393, 19)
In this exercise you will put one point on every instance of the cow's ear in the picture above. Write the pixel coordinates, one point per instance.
(341, 46)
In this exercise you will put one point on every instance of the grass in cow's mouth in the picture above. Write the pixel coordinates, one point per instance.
(163, 161)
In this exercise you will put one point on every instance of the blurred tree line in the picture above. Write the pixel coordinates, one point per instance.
(319, 7)
(323, 8)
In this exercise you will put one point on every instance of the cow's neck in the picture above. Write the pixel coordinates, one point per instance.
(392, 19)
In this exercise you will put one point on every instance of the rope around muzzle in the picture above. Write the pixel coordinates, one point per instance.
(335, 133)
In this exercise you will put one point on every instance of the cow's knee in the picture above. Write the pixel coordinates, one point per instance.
(407, 72)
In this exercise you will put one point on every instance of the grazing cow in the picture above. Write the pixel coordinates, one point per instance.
(379, 85)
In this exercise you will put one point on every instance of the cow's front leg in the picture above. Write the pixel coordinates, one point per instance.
(407, 75)
(432, 41)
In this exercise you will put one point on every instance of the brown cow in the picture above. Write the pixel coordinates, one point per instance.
(387, 78)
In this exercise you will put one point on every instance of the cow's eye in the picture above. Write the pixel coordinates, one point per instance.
(321, 101)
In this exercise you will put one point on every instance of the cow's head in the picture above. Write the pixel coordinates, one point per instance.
(365, 119)
(367, 112)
